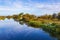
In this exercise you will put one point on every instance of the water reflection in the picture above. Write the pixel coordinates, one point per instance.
(53, 34)
(13, 30)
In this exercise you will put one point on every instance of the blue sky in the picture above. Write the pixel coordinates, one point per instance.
(37, 7)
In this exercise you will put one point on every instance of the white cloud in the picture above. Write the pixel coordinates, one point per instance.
(14, 6)
(52, 7)
(31, 7)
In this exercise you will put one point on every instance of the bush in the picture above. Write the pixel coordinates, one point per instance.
(34, 23)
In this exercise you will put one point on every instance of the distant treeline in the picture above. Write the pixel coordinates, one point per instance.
(53, 16)
(27, 16)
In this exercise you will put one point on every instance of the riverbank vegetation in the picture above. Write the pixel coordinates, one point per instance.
(2, 17)
(35, 20)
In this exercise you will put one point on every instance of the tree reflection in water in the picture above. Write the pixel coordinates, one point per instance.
(53, 32)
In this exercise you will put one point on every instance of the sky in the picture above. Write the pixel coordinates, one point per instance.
(36, 7)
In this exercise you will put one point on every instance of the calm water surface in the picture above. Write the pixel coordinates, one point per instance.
(12, 30)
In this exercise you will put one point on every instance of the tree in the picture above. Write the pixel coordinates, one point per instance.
(54, 15)
(8, 17)
(21, 14)
(49, 16)
(58, 16)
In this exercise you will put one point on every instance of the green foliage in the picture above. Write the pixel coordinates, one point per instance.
(34, 23)
(20, 14)
(2, 17)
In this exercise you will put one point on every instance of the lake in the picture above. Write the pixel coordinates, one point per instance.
(13, 30)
